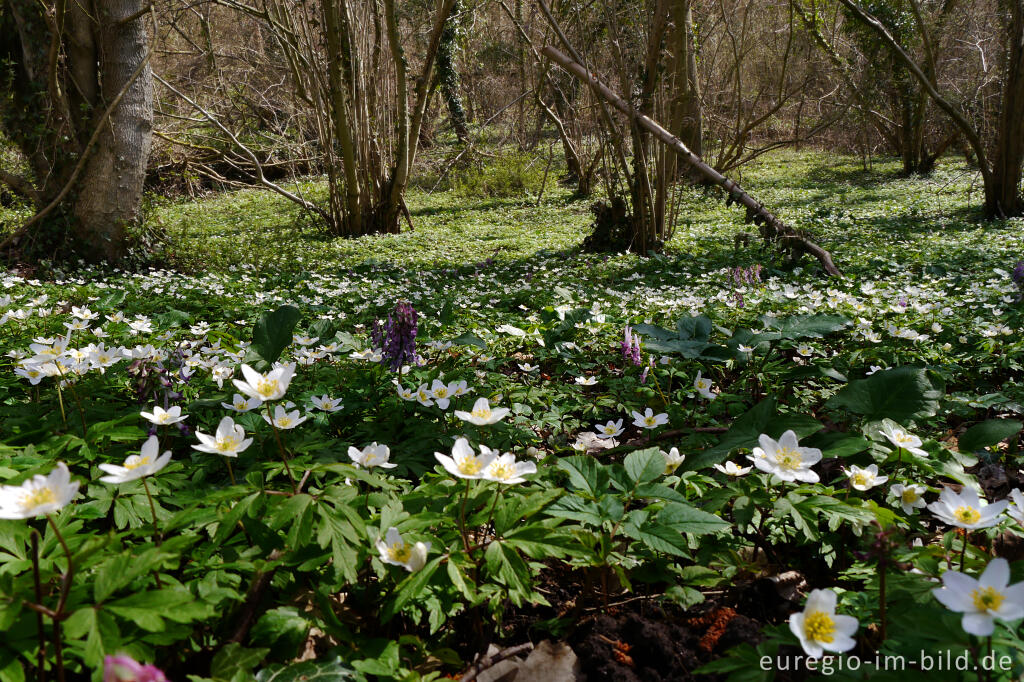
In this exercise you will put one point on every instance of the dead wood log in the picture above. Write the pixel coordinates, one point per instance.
(772, 229)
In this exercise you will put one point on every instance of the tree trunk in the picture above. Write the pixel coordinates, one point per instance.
(1004, 198)
(686, 117)
(110, 191)
(448, 73)
(81, 111)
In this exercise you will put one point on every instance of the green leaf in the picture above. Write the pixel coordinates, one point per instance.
(697, 328)
(468, 339)
(688, 519)
(988, 433)
(273, 332)
(283, 630)
(586, 474)
(412, 586)
(233, 658)
(805, 326)
(659, 537)
(643, 466)
(309, 671)
(901, 394)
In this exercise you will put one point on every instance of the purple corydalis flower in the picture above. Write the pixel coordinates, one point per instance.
(1018, 273)
(630, 345)
(127, 669)
(396, 339)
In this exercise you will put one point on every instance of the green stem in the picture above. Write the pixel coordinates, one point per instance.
(963, 552)
(462, 517)
(40, 625)
(231, 473)
(152, 510)
(65, 588)
(280, 447)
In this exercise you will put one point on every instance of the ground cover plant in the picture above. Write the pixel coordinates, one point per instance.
(374, 459)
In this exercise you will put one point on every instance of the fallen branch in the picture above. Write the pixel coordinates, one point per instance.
(490, 661)
(772, 229)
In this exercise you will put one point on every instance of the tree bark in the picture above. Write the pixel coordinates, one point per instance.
(1009, 156)
(80, 110)
(110, 191)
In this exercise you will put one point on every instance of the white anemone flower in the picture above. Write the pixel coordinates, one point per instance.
(423, 396)
(458, 388)
(326, 403)
(704, 386)
(38, 496)
(242, 403)
(910, 497)
(967, 510)
(983, 600)
(1016, 508)
(283, 419)
(785, 458)
(649, 420)
(464, 463)
(266, 387)
(147, 463)
(397, 552)
(900, 438)
(819, 628)
(730, 468)
(482, 414)
(440, 393)
(586, 381)
(406, 393)
(865, 479)
(505, 469)
(672, 460)
(229, 440)
(610, 430)
(162, 417)
(373, 455)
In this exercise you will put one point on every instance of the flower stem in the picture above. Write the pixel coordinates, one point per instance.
(280, 447)
(65, 588)
(963, 551)
(40, 625)
(152, 510)
(231, 472)
(462, 517)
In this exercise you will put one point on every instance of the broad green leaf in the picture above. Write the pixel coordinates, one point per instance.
(689, 519)
(988, 433)
(234, 658)
(805, 326)
(273, 332)
(586, 474)
(643, 466)
(901, 394)
(468, 339)
(309, 671)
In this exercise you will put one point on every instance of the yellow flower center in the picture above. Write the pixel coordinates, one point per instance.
(909, 495)
(650, 421)
(469, 466)
(482, 413)
(399, 551)
(862, 479)
(788, 458)
(227, 444)
(38, 497)
(369, 459)
(967, 514)
(670, 468)
(441, 393)
(266, 387)
(502, 472)
(135, 461)
(284, 422)
(241, 404)
(819, 627)
(987, 598)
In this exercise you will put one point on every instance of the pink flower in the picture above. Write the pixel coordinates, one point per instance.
(126, 669)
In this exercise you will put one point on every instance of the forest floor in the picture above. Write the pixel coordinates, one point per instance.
(641, 551)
